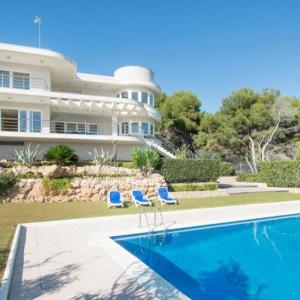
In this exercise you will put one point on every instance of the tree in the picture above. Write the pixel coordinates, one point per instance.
(180, 117)
(249, 124)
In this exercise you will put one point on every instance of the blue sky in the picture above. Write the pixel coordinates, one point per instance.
(209, 47)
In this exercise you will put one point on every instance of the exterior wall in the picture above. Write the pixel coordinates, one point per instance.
(87, 91)
(123, 150)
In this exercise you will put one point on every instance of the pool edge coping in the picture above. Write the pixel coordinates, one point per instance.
(7, 276)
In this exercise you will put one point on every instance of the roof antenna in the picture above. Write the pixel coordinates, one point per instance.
(38, 20)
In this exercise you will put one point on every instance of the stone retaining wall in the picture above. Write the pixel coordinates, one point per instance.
(84, 189)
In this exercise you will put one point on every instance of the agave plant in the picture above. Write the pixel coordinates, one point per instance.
(27, 155)
(100, 159)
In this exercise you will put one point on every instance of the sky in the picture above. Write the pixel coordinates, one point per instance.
(210, 47)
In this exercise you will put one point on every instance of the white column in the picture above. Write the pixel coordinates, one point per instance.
(46, 120)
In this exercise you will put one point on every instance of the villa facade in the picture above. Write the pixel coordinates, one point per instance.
(45, 101)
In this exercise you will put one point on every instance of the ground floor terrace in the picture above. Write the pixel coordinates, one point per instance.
(76, 259)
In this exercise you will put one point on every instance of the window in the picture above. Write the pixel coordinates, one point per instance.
(81, 128)
(145, 128)
(9, 120)
(135, 96)
(21, 80)
(151, 129)
(124, 95)
(125, 128)
(135, 128)
(144, 97)
(71, 127)
(4, 79)
(93, 129)
(151, 99)
(23, 120)
(58, 127)
(35, 121)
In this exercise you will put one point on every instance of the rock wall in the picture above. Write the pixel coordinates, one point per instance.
(84, 189)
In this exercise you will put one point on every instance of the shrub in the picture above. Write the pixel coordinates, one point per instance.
(248, 177)
(281, 173)
(61, 155)
(7, 181)
(226, 169)
(56, 186)
(30, 175)
(126, 164)
(146, 160)
(27, 156)
(185, 170)
(298, 150)
(193, 187)
(100, 159)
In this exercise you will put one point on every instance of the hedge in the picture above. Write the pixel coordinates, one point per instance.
(280, 173)
(186, 170)
(226, 169)
(187, 187)
(248, 177)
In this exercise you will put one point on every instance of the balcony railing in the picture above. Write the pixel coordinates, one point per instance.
(69, 127)
(9, 124)
(23, 82)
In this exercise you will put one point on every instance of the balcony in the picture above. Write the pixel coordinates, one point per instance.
(46, 128)
(21, 81)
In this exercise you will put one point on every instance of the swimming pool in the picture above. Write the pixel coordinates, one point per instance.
(257, 259)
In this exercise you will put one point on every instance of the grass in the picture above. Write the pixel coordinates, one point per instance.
(13, 214)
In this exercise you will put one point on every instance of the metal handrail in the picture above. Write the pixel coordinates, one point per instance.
(23, 82)
(144, 212)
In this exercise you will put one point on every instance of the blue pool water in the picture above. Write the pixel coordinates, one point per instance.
(259, 259)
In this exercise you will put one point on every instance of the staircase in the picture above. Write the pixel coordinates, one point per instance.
(162, 146)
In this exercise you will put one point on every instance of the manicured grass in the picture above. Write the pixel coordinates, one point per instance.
(13, 214)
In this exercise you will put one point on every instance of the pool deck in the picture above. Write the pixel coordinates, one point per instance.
(75, 259)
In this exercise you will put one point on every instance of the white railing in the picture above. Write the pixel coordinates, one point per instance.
(69, 127)
(23, 82)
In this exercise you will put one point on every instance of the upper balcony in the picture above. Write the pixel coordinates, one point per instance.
(22, 81)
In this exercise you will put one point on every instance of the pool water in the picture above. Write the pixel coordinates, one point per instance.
(259, 259)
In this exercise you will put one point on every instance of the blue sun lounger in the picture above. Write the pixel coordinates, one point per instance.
(114, 198)
(164, 196)
(139, 199)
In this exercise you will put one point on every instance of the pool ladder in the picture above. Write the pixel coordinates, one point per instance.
(157, 212)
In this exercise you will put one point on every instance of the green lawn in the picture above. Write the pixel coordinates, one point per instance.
(12, 214)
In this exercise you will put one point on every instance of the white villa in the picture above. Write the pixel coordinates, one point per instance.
(45, 101)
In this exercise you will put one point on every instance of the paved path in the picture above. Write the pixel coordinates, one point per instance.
(66, 260)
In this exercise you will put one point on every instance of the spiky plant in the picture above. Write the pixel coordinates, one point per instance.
(61, 155)
(146, 160)
(100, 158)
(27, 156)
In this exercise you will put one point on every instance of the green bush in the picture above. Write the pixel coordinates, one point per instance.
(29, 175)
(7, 181)
(186, 187)
(146, 160)
(248, 177)
(186, 170)
(126, 164)
(226, 169)
(61, 155)
(281, 173)
(56, 186)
